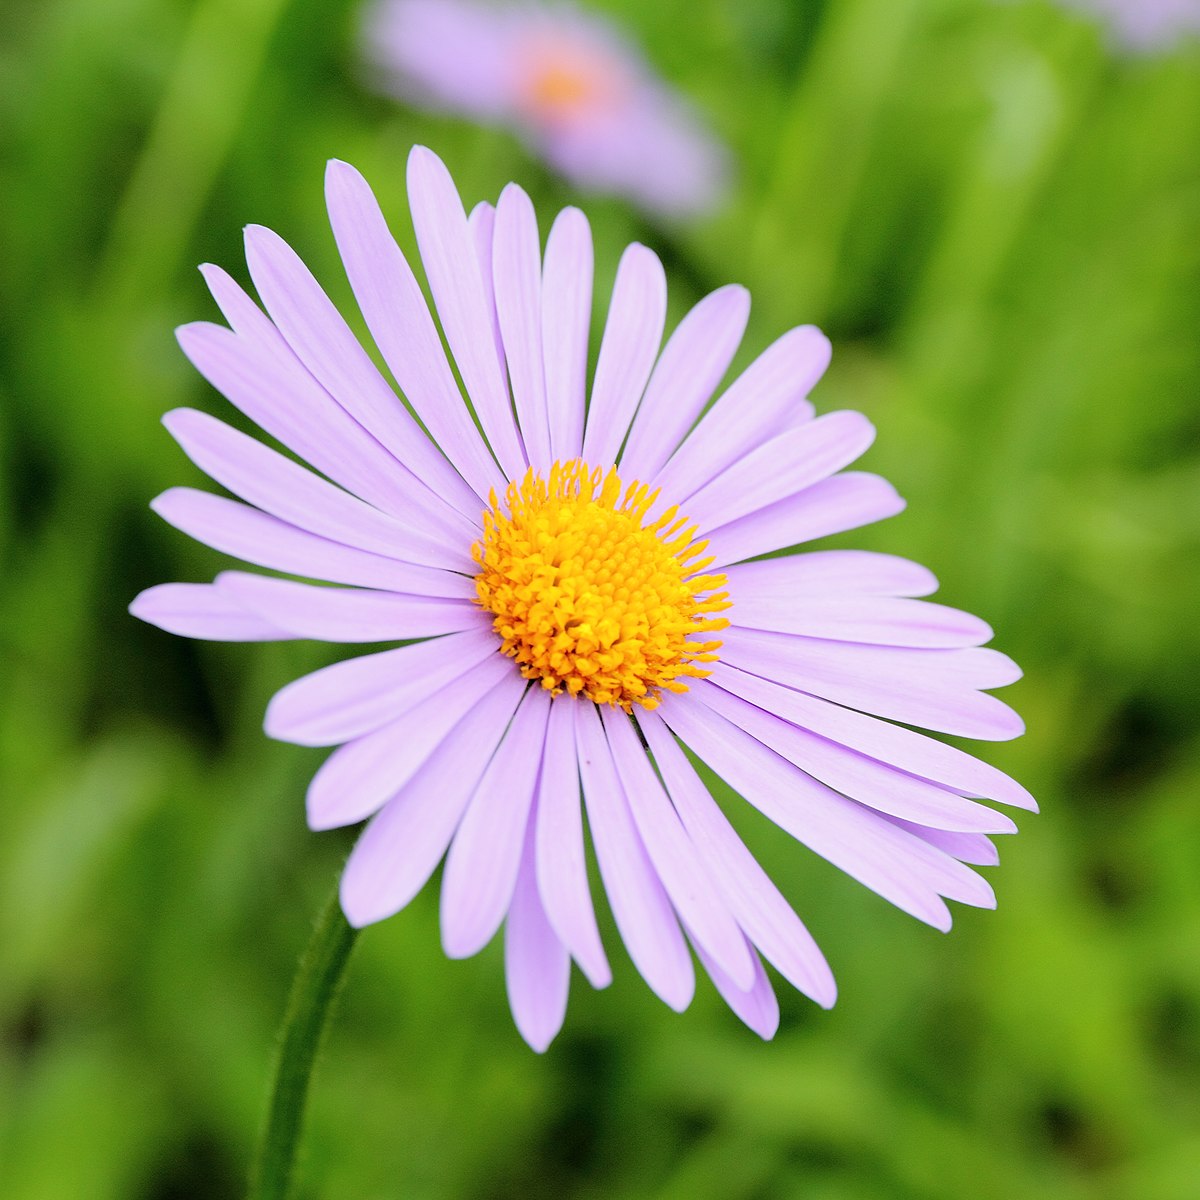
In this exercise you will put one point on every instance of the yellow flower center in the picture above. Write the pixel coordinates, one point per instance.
(563, 81)
(589, 598)
(559, 91)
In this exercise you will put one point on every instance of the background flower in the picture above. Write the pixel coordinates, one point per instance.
(566, 80)
(1146, 24)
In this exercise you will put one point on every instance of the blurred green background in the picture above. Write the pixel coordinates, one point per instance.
(997, 219)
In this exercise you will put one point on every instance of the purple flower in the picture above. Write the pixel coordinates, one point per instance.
(579, 95)
(570, 631)
(1146, 25)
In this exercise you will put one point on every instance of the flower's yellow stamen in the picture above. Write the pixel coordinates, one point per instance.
(591, 600)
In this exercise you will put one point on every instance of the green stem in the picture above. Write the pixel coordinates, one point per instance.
(314, 990)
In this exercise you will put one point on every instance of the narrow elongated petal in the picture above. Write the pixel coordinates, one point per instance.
(566, 323)
(256, 369)
(536, 967)
(347, 614)
(688, 371)
(763, 712)
(517, 278)
(974, 848)
(482, 222)
(683, 873)
(245, 317)
(881, 620)
(457, 285)
(266, 541)
(327, 347)
(755, 1006)
(632, 337)
(781, 468)
(562, 874)
(643, 913)
(867, 678)
(481, 868)
(260, 374)
(800, 659)
(394, 308)
(348, 699)
(398, 851)
(904, 748)
(361, 776)
(753, 899)
(832, 506)
(755, 407)
(829, 573)
(901, 868)
(200, 610)
(287, 491)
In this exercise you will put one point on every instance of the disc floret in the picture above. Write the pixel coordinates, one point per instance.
(590, 596)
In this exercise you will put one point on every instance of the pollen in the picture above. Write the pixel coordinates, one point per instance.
(591, 596)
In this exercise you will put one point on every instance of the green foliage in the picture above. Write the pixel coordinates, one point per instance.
(998, 222)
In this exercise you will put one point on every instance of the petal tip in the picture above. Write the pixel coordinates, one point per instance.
(320, 823)
(277, 723)
(598, 975)
(823, 990)
(344, 182)
(538, 1040)
(164, 500)
(421, 158)
(460, 939)
(358, 918)
(142, 605)
(232, 581)
(176, 417)
(516, 194)
(737, 295)
(259, 241)
(677, 998)
(358, 905)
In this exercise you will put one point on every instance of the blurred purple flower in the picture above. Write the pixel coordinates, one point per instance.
(1146, 25)
(508, 564)
(578, 93)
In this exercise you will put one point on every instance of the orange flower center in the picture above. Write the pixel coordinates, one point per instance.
(563, 83)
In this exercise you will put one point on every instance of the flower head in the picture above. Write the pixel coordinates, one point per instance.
(576, 574)
(579, 95)
(1146, 25)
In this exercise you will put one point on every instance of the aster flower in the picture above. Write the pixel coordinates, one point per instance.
(575, 574)
(1146, 25)
(580, 96)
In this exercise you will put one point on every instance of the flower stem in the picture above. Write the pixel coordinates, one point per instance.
(314, 990)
